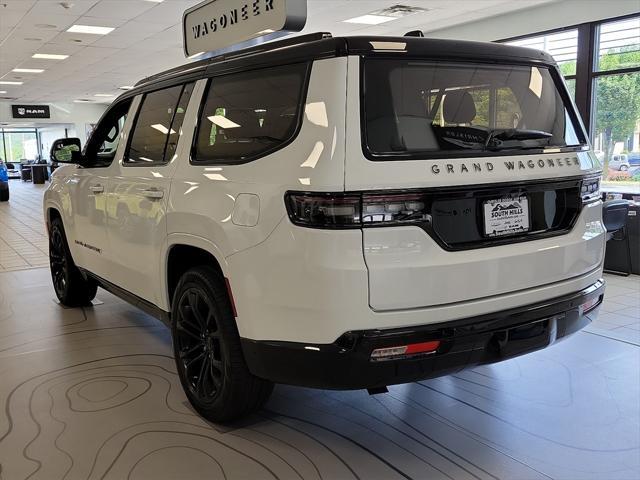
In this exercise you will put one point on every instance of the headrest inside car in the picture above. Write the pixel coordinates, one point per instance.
(459, 107)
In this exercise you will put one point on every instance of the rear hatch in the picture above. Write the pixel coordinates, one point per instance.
(473, 179)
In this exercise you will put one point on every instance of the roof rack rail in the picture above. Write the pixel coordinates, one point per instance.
(263, 47)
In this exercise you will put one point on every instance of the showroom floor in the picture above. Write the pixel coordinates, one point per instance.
(92, 393)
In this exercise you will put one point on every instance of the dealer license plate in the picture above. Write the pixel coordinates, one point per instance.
(506, 216)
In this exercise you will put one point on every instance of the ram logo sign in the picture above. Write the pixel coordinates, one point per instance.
(31, 111)
(219, 26)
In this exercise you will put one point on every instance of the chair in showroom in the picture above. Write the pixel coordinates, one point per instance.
(614, 215)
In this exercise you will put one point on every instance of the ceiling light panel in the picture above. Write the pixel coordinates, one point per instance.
(27, 70)
(385, 15)
(50, 56)
(90, 29)
(370, 20)
(4, 82)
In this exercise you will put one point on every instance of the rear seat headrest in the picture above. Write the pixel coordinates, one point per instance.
(459, 107)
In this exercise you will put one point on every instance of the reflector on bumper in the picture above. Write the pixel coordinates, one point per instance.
(391, 353)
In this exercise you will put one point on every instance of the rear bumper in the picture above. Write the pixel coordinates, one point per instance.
(345, 364)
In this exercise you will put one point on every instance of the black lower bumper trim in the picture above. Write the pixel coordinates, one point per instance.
(346, 364)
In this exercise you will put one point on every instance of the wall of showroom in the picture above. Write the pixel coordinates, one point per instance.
(81, 115)
(537, 19)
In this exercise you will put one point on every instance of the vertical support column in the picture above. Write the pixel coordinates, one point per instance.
(587, 33)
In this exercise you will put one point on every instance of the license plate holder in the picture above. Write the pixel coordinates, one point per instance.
(506, 216)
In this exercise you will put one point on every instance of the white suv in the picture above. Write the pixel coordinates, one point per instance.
(337, 213)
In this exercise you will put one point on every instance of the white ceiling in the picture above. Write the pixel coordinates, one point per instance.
(147, 38)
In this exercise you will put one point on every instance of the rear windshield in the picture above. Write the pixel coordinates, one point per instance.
(421, 109)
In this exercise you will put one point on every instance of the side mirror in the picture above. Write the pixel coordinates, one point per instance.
(66, 150)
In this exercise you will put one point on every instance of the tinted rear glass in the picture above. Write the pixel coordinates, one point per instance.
(430, 109)
(250, 114)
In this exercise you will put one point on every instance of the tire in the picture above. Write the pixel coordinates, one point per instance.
(207, 350)
(71, 287)
(4, 192)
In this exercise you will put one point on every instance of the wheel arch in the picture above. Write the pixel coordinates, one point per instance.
(51, 212)
(183, 253)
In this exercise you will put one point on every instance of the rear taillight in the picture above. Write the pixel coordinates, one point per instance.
(356, 210)
(590, 189)
(324, 210)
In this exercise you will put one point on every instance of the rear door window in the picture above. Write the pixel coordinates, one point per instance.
(248, 115)
(158, 126)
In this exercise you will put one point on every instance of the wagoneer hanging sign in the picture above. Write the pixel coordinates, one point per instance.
(220, 25)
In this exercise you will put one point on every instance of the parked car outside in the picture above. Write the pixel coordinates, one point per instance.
(4, 183)
(634, 159)
(619, 162)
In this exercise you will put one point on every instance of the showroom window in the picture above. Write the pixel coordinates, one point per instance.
(18, 145)
(157, 129)
(601, 65)
(563, 47)
(250, 114)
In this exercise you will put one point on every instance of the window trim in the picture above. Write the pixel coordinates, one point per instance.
(304, 91)
(164, 161)
(462, 154)
(90, 140)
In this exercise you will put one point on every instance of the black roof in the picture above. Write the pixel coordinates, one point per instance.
(323, 45)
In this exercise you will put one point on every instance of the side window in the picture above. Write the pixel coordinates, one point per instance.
(158, 126)
(176, 125)
(103, 144)
(249, 114)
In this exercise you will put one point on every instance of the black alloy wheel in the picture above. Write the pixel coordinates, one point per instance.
(208, 351)
(58, 261)
(72, 288)
(199, 346)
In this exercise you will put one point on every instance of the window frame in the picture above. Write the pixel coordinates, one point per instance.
(144, 95)
(91, 142)
(205, 96)
(455, 154)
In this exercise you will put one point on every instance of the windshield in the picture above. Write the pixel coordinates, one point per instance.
(422, 109)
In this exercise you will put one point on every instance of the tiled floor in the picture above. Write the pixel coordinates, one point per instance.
(92, 393)
(23, 239)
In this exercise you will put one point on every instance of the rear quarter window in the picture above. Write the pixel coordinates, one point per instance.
(248, 115)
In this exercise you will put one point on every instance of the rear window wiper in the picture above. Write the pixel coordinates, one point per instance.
(497, 138)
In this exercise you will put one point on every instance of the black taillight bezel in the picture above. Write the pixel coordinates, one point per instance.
(571, 185)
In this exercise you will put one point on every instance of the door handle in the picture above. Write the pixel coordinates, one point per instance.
(96, 188)
(153, 193)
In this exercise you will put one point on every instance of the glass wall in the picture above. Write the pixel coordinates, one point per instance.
(563, 47)
(601, 65)
(616, 99)
(19, 145)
